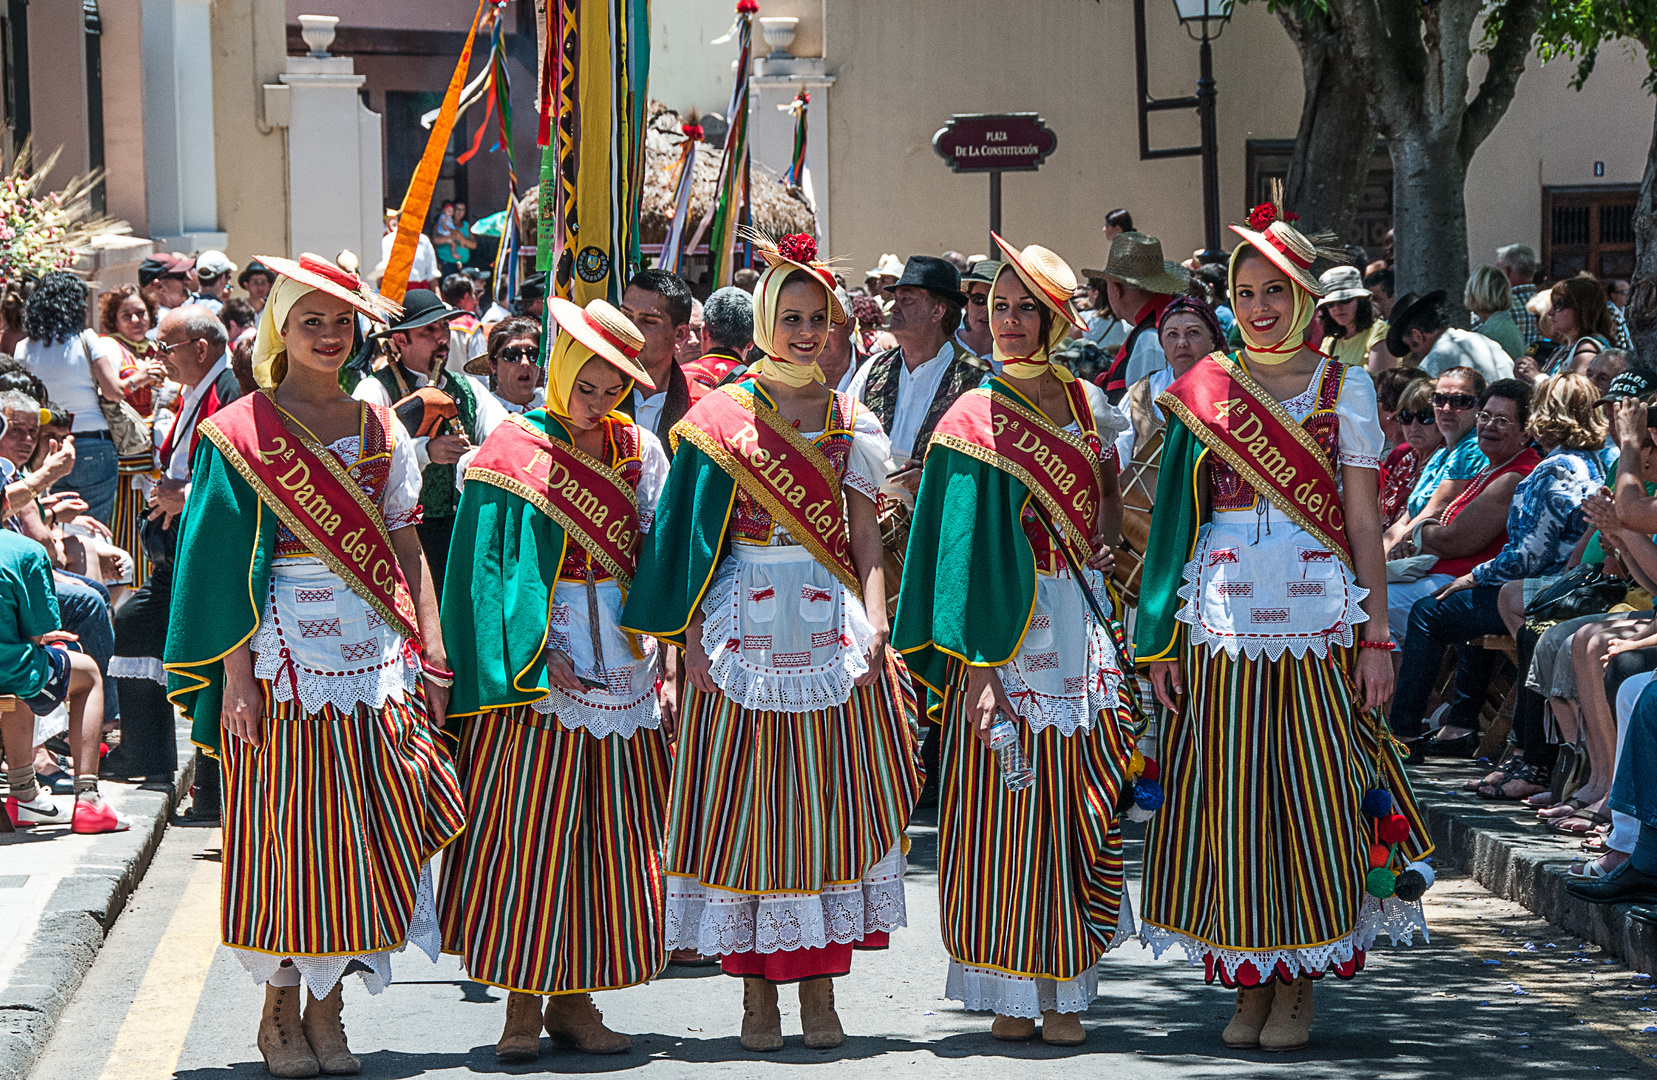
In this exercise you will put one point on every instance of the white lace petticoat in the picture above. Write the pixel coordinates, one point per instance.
(1066, 671)
(320, 974)
(1396, 918)
(980, 989)
(716, 922)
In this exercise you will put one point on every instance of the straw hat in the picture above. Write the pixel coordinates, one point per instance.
(1342, 283)
(315, 272)
(606, 331)
(800, 252)
(1137, 259)
(1268, 231)
(1048, 277)
(889, 266)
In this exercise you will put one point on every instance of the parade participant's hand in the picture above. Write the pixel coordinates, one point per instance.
(1464, 582)
(1104, 559)
(1168, 683)
(242, 711)
(1373, 676)
(60, 459)
(561, 672)
(437, 704)
(447, 449)
(876, 656)
(985, 697)
(697, 664)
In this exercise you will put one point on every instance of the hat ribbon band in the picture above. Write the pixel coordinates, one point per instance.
(615, 342)
(1288, 252)
(332, 272)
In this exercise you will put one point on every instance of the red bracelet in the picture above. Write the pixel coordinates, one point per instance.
(1384, 646)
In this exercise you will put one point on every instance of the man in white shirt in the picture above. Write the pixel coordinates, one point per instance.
(659, 305)
(1420, 334)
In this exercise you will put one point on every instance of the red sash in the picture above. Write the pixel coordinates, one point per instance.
(1233, 416)
(594, 506)
(780, 468)
(319, 502)
(1060, 468)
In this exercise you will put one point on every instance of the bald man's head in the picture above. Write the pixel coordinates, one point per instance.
(193, 339)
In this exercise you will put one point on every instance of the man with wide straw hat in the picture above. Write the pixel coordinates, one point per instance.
(1139, 283)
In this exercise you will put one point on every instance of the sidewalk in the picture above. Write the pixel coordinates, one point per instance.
(59, 895)
(1506, 851)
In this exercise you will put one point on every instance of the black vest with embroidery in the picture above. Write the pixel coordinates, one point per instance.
(880, 389)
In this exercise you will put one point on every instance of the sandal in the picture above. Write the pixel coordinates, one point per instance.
(1525, 773)
(1462, 746)
(1573, 802)
(1589, 871)
(1497, 776)
(1595, 818)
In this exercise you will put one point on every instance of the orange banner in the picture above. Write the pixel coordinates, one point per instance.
(411, 221)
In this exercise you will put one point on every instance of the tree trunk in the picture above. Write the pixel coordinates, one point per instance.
(1429, 211)
(1642, 292)
(1337, 134)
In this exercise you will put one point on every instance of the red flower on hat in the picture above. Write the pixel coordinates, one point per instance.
(747, 7)
(1266, 213)
(797, 247)
(692, 132)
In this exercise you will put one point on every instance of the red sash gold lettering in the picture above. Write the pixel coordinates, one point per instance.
(1235, 417)
(780, 468)
(320, 503)
(1060, 468)
(594, 506)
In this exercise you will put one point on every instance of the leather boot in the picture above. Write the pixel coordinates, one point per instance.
(1289, 1027)
(326, 1033)
(282, 1037)
(573, 1020)
(521, 1041)
(761, 1022)
(1254, 1003)
(1062, 1029)
(1013, 1028)
(817, 1015)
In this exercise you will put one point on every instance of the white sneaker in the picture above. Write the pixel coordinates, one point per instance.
(41, 810)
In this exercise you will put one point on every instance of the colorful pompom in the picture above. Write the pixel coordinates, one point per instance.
(1136, 765)
(1393, 829)
(1425, 869)
(693, 132)
(1147, 794)
(1153, 771)
(797, 247)
(1380, 883)
(1377, 803)
(747, 7)
(1410, 886)
(1379, 855)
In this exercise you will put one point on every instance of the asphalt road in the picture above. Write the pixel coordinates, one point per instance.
(1498, 993)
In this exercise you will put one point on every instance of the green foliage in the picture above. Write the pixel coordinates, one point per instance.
(1577, 29)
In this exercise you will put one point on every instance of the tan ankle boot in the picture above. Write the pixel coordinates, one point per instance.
(817, 1015)
(573, 1020)
(521, 1041)
(1062, 1029)
(1254, 1003)
(1013, 1028)
(761, 1022)
(1289, 1027)
(281, 1035)
(325, 1031)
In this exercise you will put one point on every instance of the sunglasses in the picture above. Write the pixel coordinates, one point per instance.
(1457, 402)
(167, 349)
(523, 355)
(1423, 416)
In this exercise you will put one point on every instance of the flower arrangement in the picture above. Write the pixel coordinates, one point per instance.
(45, 231)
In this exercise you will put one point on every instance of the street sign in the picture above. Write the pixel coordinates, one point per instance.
(995, 142)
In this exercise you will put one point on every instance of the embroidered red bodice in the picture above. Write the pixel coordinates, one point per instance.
(1229, 491)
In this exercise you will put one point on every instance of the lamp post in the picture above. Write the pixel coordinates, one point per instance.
(1204, 20)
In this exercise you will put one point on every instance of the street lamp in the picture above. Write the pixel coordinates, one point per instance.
(1204, 20)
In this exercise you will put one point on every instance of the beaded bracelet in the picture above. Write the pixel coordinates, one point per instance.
(437, 675)
(1384, 646)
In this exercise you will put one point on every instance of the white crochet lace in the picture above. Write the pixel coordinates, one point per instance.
(1394, 917)
(1296, 645)
(981, 989)
(1070, 712)
(320, 974)
(716, 922)
(600, 720)
(385, 677)
(137, 667)
(756, 686)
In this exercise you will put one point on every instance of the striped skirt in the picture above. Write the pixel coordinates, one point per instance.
(556, 885)
(123, 520)
(1255, 864)
(1030, 881)
(784, 829)
(328, 825)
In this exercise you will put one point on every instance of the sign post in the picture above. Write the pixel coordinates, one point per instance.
(994, 143)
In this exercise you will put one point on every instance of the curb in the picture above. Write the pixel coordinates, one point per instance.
(78, 915)
(1501, 846)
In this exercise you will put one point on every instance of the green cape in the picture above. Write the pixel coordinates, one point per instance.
(226, 540)
(503, 564)
(685, 545)
(1157, 634)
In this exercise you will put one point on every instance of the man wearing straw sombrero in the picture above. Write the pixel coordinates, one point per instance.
(1139, 284)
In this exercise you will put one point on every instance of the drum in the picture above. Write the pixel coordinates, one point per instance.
(894, 516)
(1138, 482)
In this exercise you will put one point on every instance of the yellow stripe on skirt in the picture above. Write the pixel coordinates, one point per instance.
(1262, 846)
(556, 887)
(123, 520)
(327, 826)
(1030, 881)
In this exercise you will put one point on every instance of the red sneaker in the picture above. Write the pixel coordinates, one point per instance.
(97, 816)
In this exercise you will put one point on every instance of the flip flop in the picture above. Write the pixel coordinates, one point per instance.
(1593, 816)
(1573, 802)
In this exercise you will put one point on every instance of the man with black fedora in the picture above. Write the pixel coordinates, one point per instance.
(446, 412)
(1139, 283)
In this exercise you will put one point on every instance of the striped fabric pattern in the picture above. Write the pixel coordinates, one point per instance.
(1261, 846)
(771, 802)
(327, 825)
(556, 885)
(123, 521)
(1030, 881)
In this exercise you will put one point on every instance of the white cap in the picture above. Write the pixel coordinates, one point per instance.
(213, 264)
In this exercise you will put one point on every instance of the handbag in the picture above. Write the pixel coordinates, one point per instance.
(128, 430)
(1585, 590)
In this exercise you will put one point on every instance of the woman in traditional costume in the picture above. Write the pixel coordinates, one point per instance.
(556, 887)
(1003, 613)
(795, 769)
(328, 679)
(1288, 813)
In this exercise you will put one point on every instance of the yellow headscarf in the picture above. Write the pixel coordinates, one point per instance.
(564, 362)
(767, 291)
(1306, 306)
(1028, 367)
(270, 350)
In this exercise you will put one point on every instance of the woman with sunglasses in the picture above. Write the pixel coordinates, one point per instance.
(513, 364)
(1452, 467)
(1418, 439)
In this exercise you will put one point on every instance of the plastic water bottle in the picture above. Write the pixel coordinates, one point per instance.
(1015, 767)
